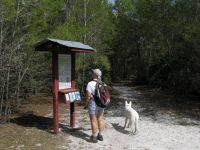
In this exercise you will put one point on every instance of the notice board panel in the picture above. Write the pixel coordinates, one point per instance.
(64, 71)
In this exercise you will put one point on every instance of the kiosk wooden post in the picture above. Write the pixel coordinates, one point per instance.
(73, 104)
(55, 90)
(60, 49)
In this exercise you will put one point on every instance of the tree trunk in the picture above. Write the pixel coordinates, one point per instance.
(141, 73)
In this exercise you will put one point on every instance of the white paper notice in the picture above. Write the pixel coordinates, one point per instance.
(67, 97)
(64, 71)
(78, 96)
(71, 97)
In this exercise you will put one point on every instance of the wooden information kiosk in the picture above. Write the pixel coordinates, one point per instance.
(63, 73)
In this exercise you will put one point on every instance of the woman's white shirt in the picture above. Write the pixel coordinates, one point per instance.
(91, 87)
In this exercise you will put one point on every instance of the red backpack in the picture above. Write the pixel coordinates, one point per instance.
(102, 94)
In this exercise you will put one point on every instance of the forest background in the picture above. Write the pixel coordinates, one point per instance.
(150, 42)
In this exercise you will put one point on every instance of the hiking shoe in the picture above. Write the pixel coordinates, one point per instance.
(93, 139)
(100, 137)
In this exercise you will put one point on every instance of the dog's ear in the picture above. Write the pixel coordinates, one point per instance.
(130, 103)
(126, 102)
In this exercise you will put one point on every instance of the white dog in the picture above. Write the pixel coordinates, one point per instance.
(132, 116)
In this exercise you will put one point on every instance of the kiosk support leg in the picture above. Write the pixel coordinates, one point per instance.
(55, 91)
(73, 104)
(55, 114)
(72, 114)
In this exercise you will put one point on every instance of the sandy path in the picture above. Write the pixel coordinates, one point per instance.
(162, 133)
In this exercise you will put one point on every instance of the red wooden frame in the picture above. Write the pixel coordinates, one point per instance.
(64, 91)
(73, 80)
(55, 91)
(60, 48)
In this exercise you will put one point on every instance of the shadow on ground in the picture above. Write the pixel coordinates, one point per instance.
(32, 120)
(46, 124)
(76, 132)
(119, 128)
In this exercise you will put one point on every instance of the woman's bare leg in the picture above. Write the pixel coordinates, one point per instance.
(100, 120)
(94, 124)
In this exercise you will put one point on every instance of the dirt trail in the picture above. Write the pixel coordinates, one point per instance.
(163, 125)
(160, 129)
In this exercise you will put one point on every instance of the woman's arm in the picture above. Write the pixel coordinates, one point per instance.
(88, 95)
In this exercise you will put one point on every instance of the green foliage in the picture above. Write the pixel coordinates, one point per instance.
(93, 61)
(160, 41)
(151, 41)
(23, 23)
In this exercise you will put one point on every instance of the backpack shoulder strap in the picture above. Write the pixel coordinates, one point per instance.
(99, 82)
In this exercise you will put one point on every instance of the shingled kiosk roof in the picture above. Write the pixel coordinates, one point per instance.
(62, 46)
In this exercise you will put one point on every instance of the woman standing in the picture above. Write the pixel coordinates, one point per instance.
(95, 112)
